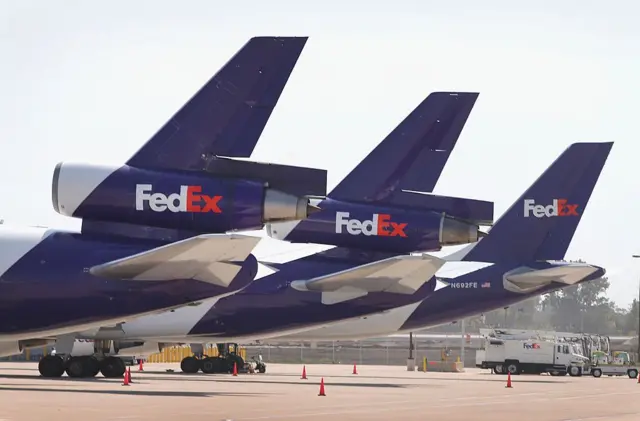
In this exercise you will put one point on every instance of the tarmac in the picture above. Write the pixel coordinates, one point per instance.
(375, 393)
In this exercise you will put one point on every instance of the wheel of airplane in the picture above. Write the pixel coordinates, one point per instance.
(76, 367)
(51, 366)
(190, 365)
(112, 367)
(92, 367)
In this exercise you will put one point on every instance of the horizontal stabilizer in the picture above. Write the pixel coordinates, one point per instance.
(300, 181)
(212, 258)
(479, 212)
(525, 279)
(399, 275)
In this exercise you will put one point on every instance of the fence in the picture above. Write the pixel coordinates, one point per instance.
(342, 352)
(360, 353)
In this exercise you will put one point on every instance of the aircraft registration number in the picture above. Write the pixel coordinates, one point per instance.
(464, 285)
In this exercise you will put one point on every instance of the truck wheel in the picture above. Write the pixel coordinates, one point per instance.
(596, 372)
(574, 371)
(513, 369)
(499, 369)
(633, 373)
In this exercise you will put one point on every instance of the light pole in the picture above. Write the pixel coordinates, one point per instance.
(636, 256)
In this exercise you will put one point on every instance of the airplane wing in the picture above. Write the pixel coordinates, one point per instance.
(211, 258)
(399, 274)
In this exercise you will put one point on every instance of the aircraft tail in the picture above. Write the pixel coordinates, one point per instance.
(228, 114)
(541, 223)
(405, 167)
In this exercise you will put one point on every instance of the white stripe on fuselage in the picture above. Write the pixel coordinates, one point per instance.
(16, 242)
(379, 324)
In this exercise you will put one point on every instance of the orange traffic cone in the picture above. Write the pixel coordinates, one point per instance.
(355, 370)
(321, 387)
(304, 373)
(125, 381)
(508, 380)
(140, 368)
(129, 375)
(235, 369)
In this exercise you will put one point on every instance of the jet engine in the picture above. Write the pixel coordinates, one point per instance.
(196, 201)
(378, 227)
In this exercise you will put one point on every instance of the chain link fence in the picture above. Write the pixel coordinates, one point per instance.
(356, 352)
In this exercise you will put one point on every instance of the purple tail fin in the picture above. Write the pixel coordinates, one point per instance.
(407, 164)
(414, 154)
(542, 222)
(227, 116)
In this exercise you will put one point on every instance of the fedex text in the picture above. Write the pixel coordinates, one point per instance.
(190, 199)
(559, 207)
(380, 224)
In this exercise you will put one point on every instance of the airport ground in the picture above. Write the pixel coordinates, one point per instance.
(375, 393)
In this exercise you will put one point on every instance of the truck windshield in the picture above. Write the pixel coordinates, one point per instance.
(565, 349)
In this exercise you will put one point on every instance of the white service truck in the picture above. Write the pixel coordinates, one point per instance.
(518, 356)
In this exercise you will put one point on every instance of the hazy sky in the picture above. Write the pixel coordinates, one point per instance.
(86, 82)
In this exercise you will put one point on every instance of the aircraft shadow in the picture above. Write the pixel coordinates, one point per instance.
(317, 381)
(130, 392)
(58, 379)
(501, 379)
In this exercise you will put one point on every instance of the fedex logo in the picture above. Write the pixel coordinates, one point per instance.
(380, 225)
(531, 346)
(188, 200)
(559, 207)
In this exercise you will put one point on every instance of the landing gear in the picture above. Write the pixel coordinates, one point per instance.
(112, 367)
(78, 367)
(51, 366)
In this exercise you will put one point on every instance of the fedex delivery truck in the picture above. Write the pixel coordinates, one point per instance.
(517, 356)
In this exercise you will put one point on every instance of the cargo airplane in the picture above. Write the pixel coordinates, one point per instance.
(523, 255)
(153, 230)
(522, 252)
(380, 212)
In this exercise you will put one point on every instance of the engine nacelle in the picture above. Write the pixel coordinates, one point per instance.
(377, 227)
(184, 200)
